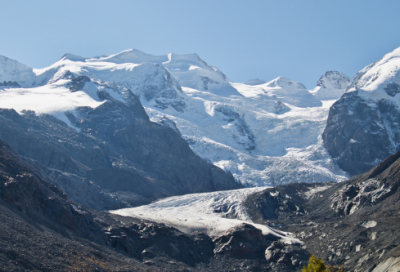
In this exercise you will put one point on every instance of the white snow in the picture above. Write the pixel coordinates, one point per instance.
(284, 89)
(49, 99)
(265, 134)
(288, 146)
(368, 224)
(373, 79)
(331, 85)
(12, 70)
(212, 213)
(391, 264)
(315, 190)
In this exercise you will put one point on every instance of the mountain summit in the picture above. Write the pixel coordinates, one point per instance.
(331, 85)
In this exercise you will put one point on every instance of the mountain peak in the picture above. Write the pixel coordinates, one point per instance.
(14, 71)
(334, 79)
(132, 56)
(72, 57)
(285, 82)
(331, 85)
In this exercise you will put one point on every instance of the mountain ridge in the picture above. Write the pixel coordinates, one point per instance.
(250, 133)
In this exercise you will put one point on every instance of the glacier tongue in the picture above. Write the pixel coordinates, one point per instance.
(212, 213)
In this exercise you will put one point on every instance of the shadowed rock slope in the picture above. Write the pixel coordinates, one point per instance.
(114, 153)
(353, 223)
(42, 230)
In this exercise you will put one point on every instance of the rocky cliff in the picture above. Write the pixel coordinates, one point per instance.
(363, 125)
(352, 223)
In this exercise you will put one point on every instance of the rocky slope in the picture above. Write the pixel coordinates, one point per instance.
(106, 138)
(353, 223)
(42, 230)
(362, 127)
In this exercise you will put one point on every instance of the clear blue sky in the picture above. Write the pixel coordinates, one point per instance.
(244, 39)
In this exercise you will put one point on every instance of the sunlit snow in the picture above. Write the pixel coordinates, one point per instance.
(265, 134)
(212, 213)
(49, 99)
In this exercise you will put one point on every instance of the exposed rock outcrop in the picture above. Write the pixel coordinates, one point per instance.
(362, 127)
(116, 146)
(353, 223)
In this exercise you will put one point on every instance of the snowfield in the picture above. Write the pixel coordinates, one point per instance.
(259, 147)
(212, 213)
(265, 134)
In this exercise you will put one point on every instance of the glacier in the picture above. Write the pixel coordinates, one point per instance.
(212, 213)
(265, 134)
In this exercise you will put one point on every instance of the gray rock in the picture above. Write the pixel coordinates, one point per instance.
(291, 255)
(240, 241)
(352, 223)
(115, 146)
(359, 134)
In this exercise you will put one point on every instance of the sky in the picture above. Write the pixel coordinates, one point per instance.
(244, 39)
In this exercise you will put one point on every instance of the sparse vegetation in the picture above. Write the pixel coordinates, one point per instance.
(318, 265)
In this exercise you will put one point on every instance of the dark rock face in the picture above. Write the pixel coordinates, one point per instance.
(9, 84)
(353, 223)
(392, 89)
(247, 242)
(241, 241)
(146, 241)
(359, 134)
(117, 147)
(44, 231)
(35, 197)
(290, 255)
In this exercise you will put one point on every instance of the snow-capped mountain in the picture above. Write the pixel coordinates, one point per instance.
(363, 125)
(13, 73)
(265, 134)
(189, 70)
(331, 85)
(81, 129)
